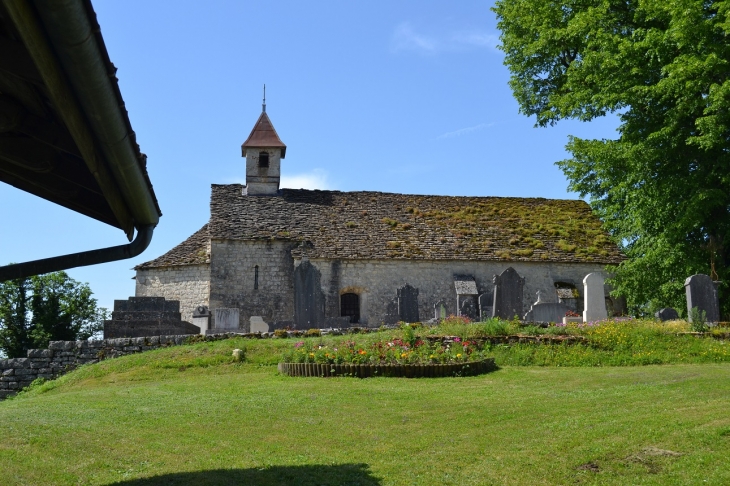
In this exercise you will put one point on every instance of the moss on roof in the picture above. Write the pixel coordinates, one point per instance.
(376, 225)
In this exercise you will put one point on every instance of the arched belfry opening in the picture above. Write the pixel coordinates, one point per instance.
(350, 307)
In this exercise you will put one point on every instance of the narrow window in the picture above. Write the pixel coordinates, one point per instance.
(350, 307)
(256, 277)
(263, 159)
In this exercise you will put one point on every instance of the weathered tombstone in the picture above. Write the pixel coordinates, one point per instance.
(201, 318)
(568, 294)
(486, 301)
(308, 297)
(508, 287)
(468, 307)
(440, 311)
(258, 325)
(408, 303)
(227, 319)
(702, 293)
(594, 298)
(391, 313)
(666, 314)
(466, 290)
(545, 311)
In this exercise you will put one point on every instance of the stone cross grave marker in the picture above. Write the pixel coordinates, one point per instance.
(408, 303)
(594, 298)
(508, 288)
(702, 293)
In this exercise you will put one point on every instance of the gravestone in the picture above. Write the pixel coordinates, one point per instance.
(226, 320)
(486, 302)
(257, 324)
(308, 297)
(440, 311)
(146, 316)
(702, 293)
(508, 288)
(391, 313)
(594, 298)
(201, 318)
(545, 311)
(466, 290)
(666, 314)
(408, 303)
(469, 307)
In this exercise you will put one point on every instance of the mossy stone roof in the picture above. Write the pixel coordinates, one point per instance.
(376, 225)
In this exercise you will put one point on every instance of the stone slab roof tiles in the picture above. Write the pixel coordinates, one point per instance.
(193, 251)
(376, 225)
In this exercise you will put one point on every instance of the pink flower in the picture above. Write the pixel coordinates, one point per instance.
(299, 344)
(457, 340)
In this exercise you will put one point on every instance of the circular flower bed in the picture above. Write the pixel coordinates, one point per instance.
(409, 356)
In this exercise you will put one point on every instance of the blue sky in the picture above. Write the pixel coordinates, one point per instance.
(399, 96)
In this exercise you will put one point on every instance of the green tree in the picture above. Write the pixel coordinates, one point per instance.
(662, 187)
(43, 308)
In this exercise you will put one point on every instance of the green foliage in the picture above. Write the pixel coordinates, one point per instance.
(43, 308)
(663, 187)
(698, 319)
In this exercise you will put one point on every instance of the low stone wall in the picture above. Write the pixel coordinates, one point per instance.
(64, 356)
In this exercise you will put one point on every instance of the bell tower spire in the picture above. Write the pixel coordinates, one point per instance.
(263, 150)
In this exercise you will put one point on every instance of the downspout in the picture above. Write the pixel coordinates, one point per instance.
(85, 258)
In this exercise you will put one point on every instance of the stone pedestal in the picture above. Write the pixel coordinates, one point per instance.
(147, 316)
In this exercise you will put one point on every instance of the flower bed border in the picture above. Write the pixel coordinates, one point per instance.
(429, 370)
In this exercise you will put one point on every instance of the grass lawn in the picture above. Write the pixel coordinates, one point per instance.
(188, 415)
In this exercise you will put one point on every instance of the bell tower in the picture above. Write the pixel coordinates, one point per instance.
(263, 150)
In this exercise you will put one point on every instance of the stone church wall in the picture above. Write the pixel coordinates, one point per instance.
(190, 284)
(233, 279)
(377, 281)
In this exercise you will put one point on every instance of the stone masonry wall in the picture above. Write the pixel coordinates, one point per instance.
(64, 356)
(233, 279)
(377, 281)
(190, 284)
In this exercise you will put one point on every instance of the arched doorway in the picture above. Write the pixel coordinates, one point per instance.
(350, 307)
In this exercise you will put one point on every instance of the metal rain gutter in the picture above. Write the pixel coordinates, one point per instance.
(73, 38)
(85, 258)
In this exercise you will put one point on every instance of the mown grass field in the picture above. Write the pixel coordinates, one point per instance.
(190, 415)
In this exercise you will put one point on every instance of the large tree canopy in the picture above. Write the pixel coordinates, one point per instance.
(51, 307)
(663, 66)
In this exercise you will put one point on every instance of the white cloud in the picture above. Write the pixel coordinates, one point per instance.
(405, 38)
(315, 179)
(464, 131)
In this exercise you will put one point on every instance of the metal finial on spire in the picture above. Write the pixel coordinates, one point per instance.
(263, 106)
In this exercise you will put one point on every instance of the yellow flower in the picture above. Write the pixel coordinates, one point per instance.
(404, 355)
(458, 355)
(311, 354)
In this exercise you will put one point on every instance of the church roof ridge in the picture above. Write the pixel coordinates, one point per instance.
(263, 135)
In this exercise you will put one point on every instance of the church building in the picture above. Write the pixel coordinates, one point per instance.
(309, 258)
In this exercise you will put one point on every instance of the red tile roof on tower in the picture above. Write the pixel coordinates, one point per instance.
(263, 135)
